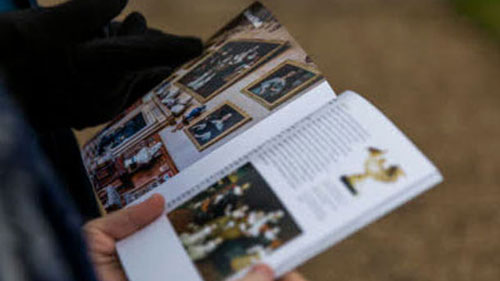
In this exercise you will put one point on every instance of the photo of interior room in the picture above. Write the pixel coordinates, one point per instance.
(198, 108)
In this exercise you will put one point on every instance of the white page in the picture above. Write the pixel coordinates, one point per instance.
(326, 210)
(246, 142)
(141, 256)
(321, 209)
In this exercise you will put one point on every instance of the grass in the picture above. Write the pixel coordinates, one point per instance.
(484, 12)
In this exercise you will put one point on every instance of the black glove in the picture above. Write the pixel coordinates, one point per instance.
(66, 71)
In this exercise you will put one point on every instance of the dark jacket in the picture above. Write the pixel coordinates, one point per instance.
(39, 227)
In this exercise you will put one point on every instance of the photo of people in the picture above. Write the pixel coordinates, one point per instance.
(162, 89)
(216, 124)
(121, 179)
(376, 169)
(255, 16)
(199, 107)
(282, 83)
(226, 65)
(233, 224)
(121, 134)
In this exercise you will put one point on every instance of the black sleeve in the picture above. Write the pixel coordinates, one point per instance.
(39, 229)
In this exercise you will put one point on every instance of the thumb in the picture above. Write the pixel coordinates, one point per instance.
(125, 222)
(259, 272)
(144, 81)
(137, 52)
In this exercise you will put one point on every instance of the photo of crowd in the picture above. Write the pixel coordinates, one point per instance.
(233, 224)
(248, 70)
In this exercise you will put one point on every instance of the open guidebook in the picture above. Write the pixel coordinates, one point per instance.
(258, 159)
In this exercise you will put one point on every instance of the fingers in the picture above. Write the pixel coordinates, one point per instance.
(127, 221)
(259, 273)
(265, 273)
(135, 53)
(144, 81)
(293, 276)
(134, 24)
(72, 21)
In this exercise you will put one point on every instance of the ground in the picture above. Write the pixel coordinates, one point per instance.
(437, 75)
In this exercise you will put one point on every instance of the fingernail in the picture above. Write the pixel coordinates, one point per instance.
(157, 197)
(263, 270)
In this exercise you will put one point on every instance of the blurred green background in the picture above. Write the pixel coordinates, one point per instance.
(484, 12)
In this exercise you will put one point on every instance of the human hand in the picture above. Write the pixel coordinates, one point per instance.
(67, 71)
(103, 233)
(264, 273)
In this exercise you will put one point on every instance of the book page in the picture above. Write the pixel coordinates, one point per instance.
(249, 70)
(314, 182)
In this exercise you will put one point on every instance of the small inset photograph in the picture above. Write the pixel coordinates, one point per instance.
(216, 124)
(226, 65)
(162, 90)
(254, 18)
(122, 179)
(280, 84)
(233, 224)
(122, 133)
(375, 169)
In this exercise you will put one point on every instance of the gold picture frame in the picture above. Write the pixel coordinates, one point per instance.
(287, 95)
(229, 107)
(203, 99)
(166, 83)
(187, 66)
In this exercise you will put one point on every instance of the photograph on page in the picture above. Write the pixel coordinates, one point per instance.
(233, 224)
(375, 169)
(250, 69)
